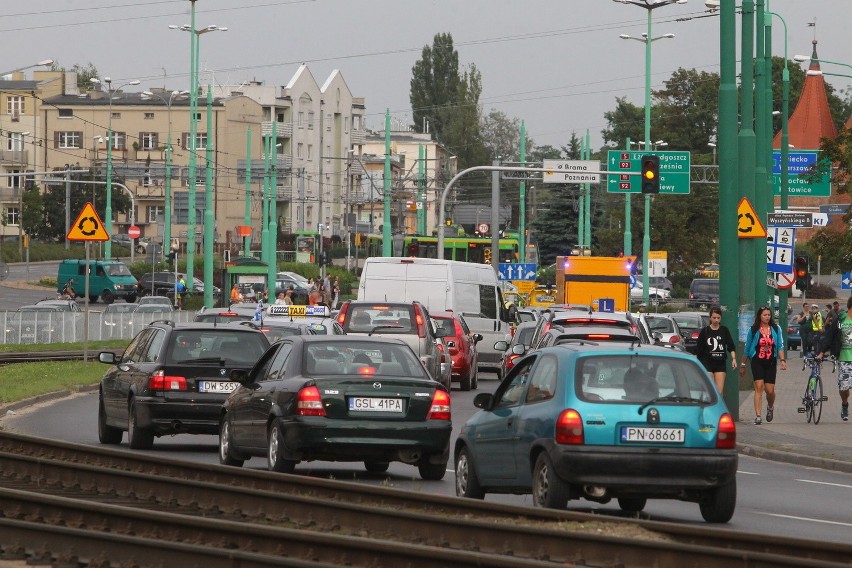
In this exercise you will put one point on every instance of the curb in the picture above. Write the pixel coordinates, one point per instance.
(6, 408)
(798, 459)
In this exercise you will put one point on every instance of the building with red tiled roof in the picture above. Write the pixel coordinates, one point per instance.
(810, 122)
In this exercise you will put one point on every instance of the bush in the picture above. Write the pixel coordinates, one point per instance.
(821, 291)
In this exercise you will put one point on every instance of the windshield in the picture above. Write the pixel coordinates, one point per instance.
(117, 270)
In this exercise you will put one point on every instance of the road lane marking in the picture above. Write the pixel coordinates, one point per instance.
(795, 518)
(843, 485)
(747, 472)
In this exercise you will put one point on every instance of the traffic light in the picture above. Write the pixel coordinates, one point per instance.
(803, 277)
(650, 174)
(487, 255)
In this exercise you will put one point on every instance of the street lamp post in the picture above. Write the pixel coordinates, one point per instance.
(713, 146)
(193, 130)
(108, 212)
(649, 6)
(167, 220)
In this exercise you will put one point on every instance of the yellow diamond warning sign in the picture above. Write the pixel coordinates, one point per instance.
(748, 223)
(88, 226)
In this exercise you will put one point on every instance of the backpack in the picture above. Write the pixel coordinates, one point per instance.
(181, 287)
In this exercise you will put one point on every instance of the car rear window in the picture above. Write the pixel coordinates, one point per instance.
(689, 322)
(567, 321)
(446, 324)
(705, 287)
(631, 379)
(194, 346)
(524, 336)
(391, 318)
(363, 358)
(664, 325)
(222, 317)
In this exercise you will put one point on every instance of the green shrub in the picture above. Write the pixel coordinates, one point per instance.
(821, 291)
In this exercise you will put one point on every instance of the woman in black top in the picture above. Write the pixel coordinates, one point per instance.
(714, 343)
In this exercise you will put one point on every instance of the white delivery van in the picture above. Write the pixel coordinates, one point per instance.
(466, 287)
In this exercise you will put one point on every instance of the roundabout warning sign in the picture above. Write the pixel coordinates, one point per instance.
(87, 227)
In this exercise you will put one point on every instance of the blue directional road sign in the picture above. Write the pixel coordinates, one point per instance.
(517, 271)
(846, 281)
(780, 242)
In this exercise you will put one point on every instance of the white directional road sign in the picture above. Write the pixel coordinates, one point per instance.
(846, 281)
(780, 242)
(571, 171)
(516, 270)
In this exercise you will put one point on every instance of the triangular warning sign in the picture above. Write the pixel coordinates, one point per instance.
(748, 222)
(88, 226)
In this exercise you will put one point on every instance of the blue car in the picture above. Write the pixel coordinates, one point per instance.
(603, 421)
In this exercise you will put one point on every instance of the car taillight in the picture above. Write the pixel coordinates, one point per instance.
(309, 402)
(440, 409)
(694, 335)
(421, 323)
(726, 437)
(366, 370)
(569, 427)
(510, 362)
(341, 317)
(161, 381)
(691, 296)
(675, 339)
(603, 336)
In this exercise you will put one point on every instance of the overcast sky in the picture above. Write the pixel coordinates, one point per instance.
(557, 64)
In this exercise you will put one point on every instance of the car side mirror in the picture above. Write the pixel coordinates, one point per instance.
(107, 357)
(477, 337)
(519, 349)
(500, 345)
(483, 400)
(451, 343)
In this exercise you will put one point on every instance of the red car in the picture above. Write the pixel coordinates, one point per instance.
(462, 346)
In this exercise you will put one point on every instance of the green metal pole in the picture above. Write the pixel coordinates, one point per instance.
(763, 154)
(588, 156)
(728, 188)
(522, 205)
(581, 205)
(747, 157)
(108, 212)
(264, 221)
(209, 212)
(387, 244)
(273, 214)
(247, 213)
(167, 221)
(421, 190)
(193, 133)
(646, 239)
(628, 235)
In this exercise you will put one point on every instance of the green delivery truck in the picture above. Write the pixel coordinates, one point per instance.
(108, 279)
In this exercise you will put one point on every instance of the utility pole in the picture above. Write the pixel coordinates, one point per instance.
(387, 245)
(247, 212)
(209, 213)
(522, 206)
(273, 216)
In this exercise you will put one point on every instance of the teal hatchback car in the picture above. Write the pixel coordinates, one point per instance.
(630, 422)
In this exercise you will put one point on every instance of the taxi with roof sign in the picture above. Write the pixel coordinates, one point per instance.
(316, 319)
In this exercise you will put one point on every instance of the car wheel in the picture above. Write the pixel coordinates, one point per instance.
(376, 467)
(276, 461)
(93, 299)
(720, 504)
(467, 484)
(632, 504)
(138, 438)
(548, 490)
(131, 299)
(465, 383)
(107, 434)
(107, 297)
(226, 453)
(432, 471)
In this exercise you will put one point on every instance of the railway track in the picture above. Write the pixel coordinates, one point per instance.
(91, 494)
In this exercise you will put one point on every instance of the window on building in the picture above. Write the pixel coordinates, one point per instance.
(66, 113)
(345, 124)
(328, 122)
(200, 140)
(12, 215)
(148, 140)
(149, 116)
(327, 153)
(279, 117)
(119, 140)
(356, 122)
(15, 105)
(310, 120)
(310, 151)
(68, 139)
(115, 115)
(14, 141)
(299, 149)
(14, 180)
(155, 212)
(301, 122)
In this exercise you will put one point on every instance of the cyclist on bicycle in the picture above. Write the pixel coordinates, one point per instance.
(837, 341)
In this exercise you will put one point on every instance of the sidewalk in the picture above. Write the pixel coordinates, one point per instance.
(789, 438)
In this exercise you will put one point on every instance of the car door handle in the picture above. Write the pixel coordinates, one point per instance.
(509, 422)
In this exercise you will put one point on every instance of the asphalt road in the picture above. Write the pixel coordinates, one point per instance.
(785, 500)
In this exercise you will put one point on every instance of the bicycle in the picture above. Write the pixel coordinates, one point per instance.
(813, 399)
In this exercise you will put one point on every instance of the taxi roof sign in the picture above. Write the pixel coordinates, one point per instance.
(307, 311)
(88, 226)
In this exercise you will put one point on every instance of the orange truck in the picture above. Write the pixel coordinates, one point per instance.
(585, 280)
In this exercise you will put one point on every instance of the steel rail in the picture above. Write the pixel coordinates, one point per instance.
(374, 509)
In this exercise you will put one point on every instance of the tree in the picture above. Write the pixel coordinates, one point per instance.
(501, 136)
(687, 110)
(33, 214)
(434, 85)
(626, 121)
(81, 193)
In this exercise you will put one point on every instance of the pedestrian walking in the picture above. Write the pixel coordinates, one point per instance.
(764, 347)
(804, 321)
(236, 296)
(180, 290)
(335, 293)
(817, 327)
(837, 341)
(714, 344)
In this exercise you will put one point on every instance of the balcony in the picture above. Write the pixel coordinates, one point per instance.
(283, 129)
(11, 157)
(357, 136)
(282, 164)
(8, 194)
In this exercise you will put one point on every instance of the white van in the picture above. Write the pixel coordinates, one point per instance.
(469, 288)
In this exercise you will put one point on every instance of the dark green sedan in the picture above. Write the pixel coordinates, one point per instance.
(338, 398)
